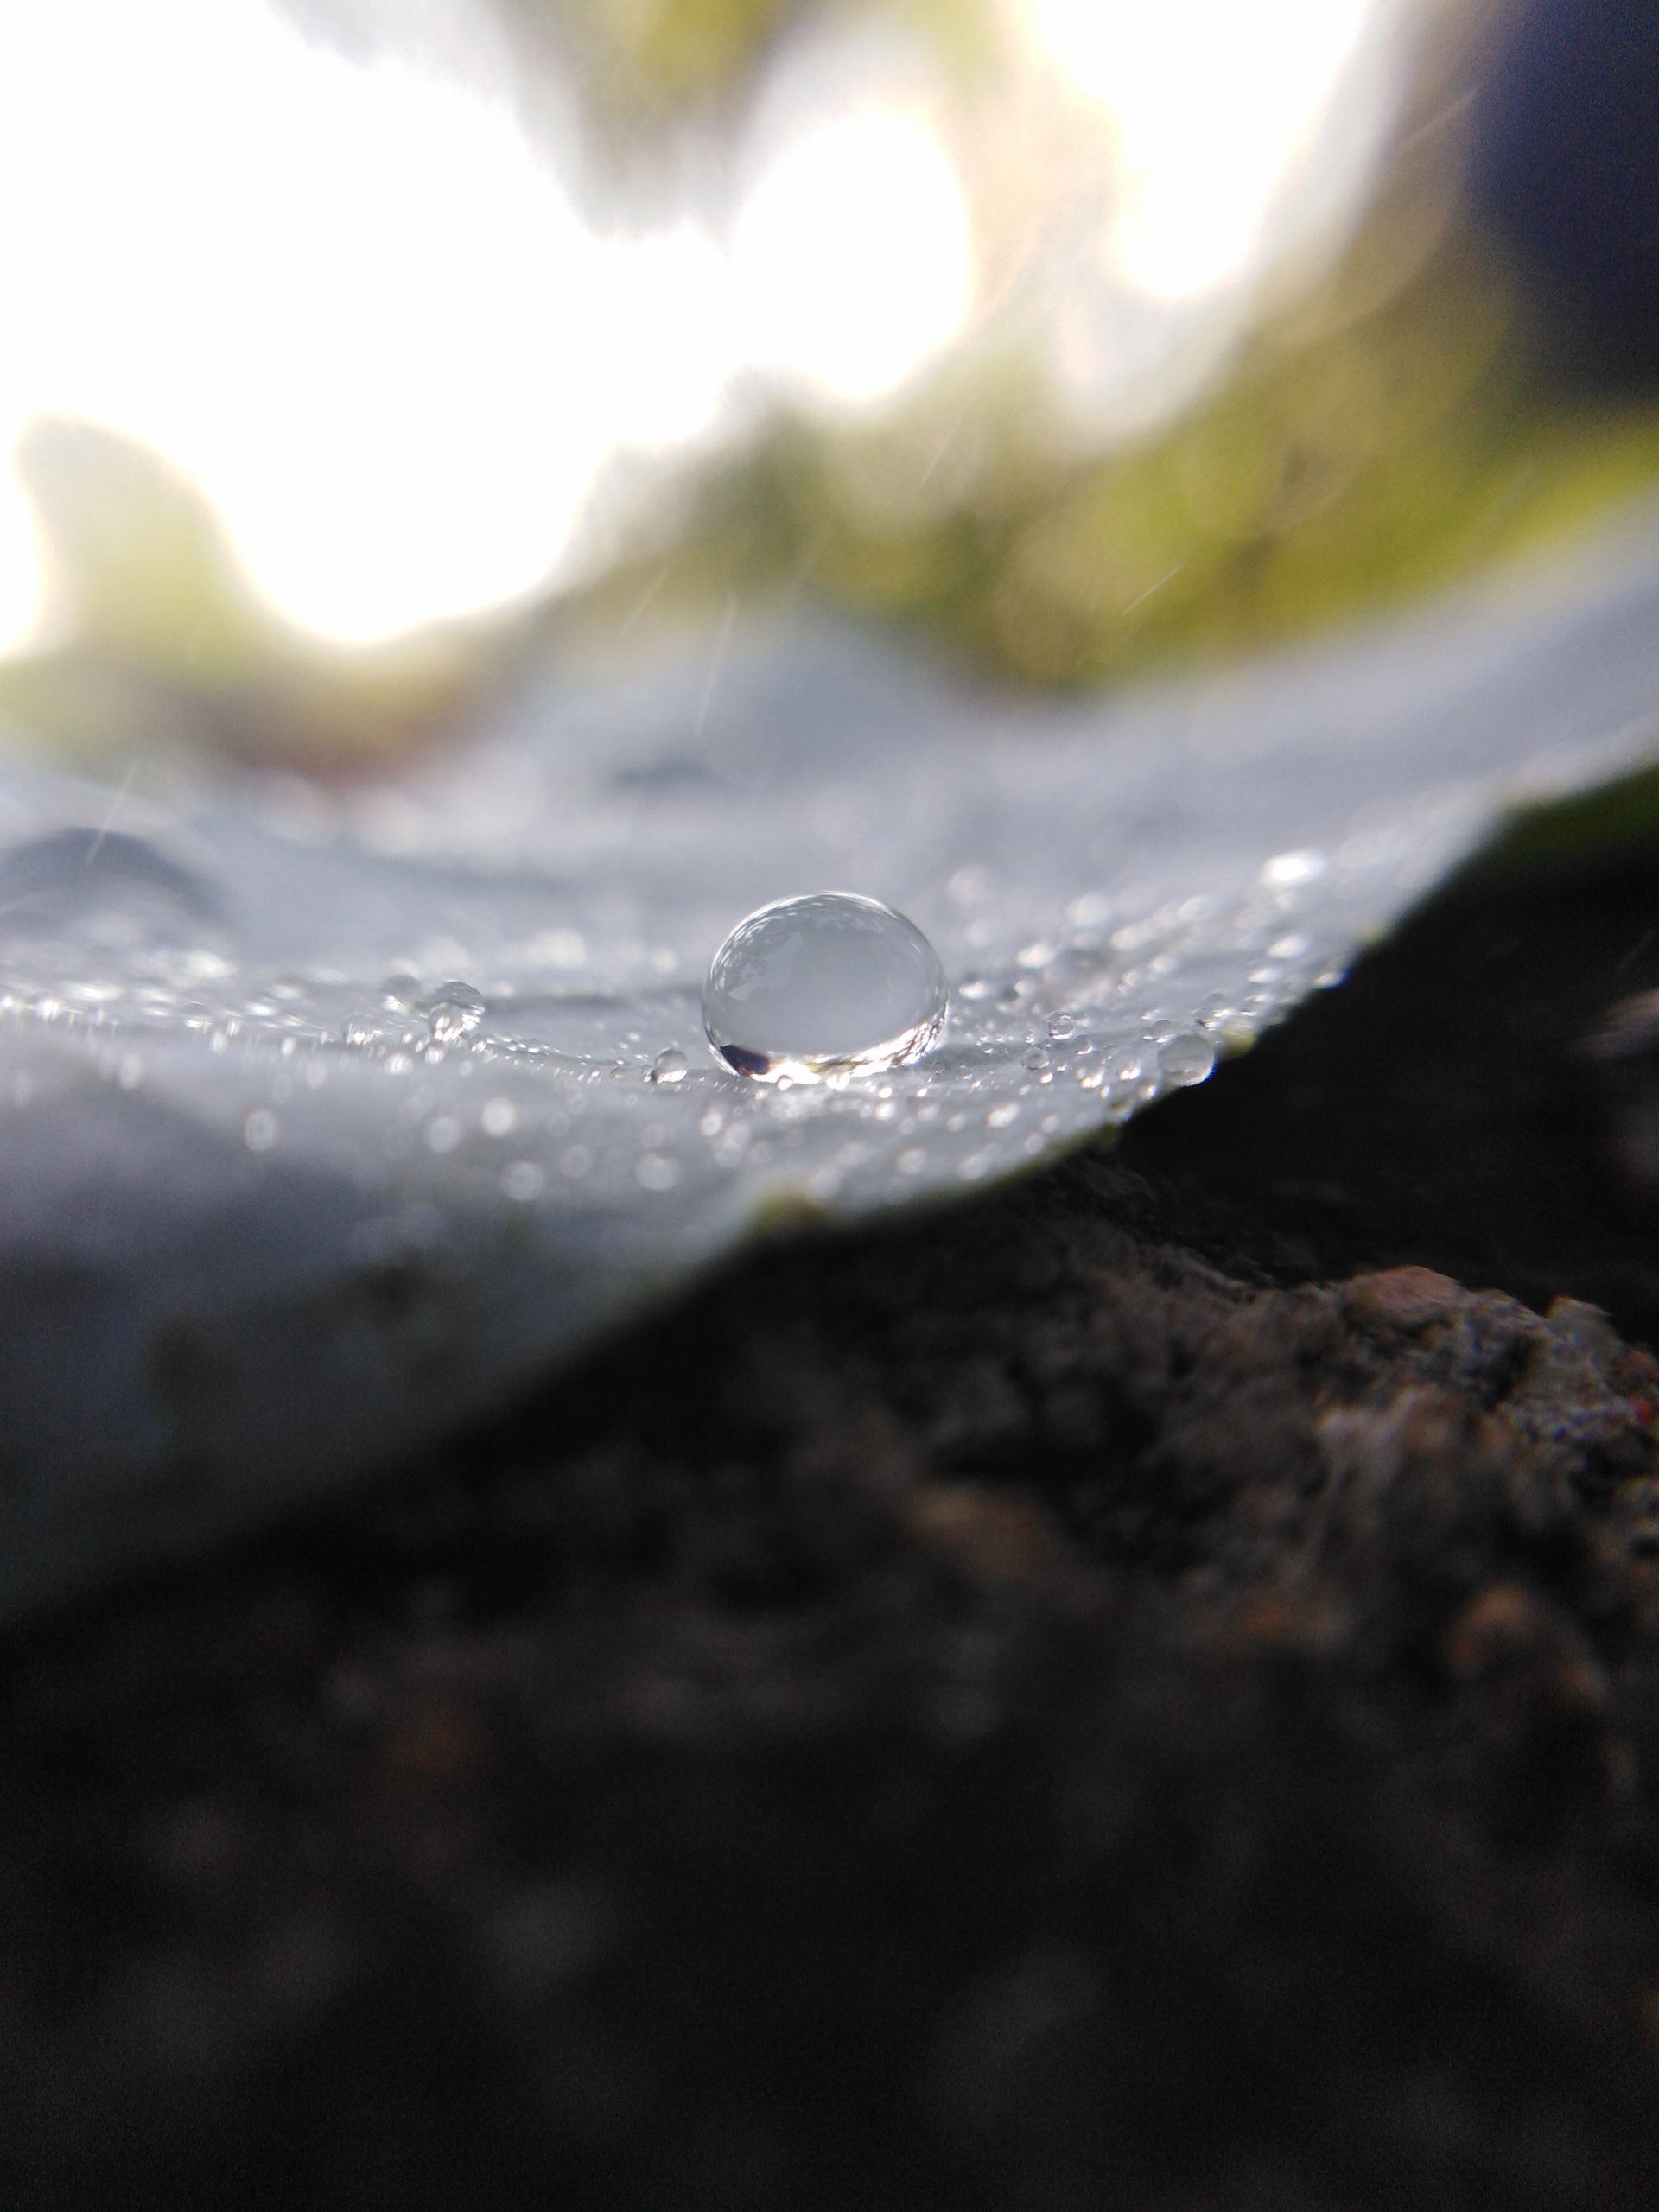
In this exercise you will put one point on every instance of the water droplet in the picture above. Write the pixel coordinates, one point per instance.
(1037, 1057)
(669, 1066)
(1187, 1059)
(974, 988)
(827, 985)
(50, 882)
(259, 1130)
(1294, 870)
(499, 1118)
(1062, 1025)
(453, 1011)
(655, 1171)
(523, 1180)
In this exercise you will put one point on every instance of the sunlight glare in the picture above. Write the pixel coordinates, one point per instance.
(852, 255)
(1214, 107)
(22, 587)
(363, 311)
(352, 301)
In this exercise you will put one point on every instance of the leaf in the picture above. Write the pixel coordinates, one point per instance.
(271, 1214)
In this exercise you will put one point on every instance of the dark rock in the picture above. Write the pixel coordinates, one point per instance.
(1141, 1691)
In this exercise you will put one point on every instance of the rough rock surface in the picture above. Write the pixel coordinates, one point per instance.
(1142, 1691)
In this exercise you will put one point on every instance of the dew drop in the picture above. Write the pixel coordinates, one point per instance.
(669, 1066)
(1186, 1060)
(259, 1130)
(453, 1011)
(827, 985)
(1062, 1026)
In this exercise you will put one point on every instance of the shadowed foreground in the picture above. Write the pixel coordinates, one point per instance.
(1139, 1691)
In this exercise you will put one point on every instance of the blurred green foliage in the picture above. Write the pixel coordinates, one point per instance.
(644, 63)
(1397, 426)
(1397, 429)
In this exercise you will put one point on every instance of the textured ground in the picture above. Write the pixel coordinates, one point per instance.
(1142, 1691)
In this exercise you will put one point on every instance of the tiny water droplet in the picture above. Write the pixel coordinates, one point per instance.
(453, 1011)
(669, 1066)
(655, 1171)
(1037, 1057)
(524, 1180)
(1294, 870)
(1062, 1025)
(499, 1118)
(824, 986)
(1187, 1059)
(259, 1130)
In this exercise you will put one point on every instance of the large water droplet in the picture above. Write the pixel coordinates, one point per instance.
(1187, 1059)
(454, 1010)
(71, 875)
(827, 985)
